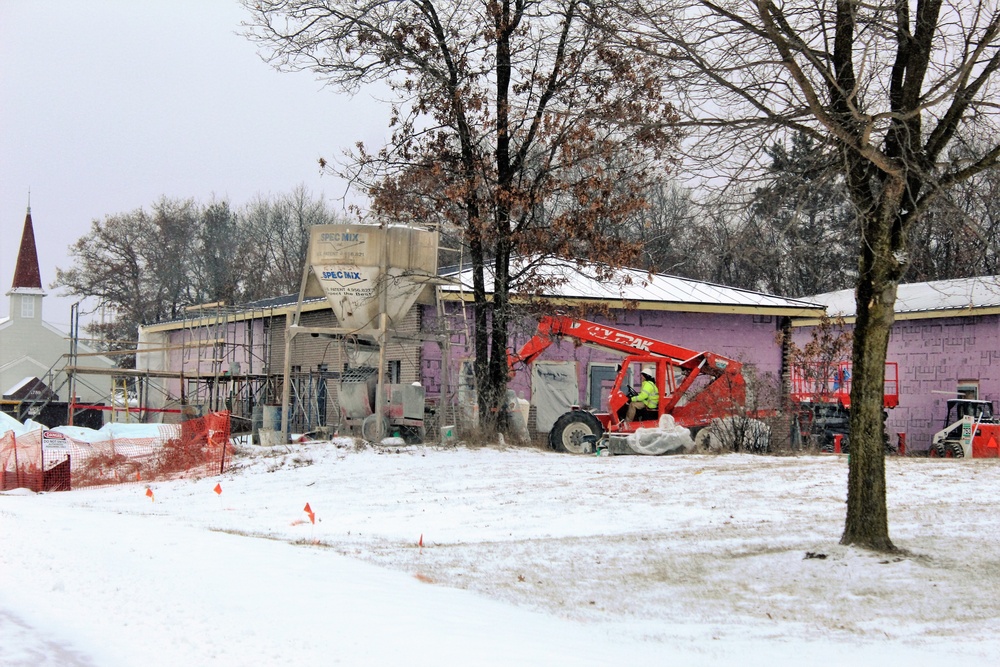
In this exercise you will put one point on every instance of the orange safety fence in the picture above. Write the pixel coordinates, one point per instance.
(55, 461)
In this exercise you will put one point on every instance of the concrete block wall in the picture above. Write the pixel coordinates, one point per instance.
(934, 356)
(750, 339)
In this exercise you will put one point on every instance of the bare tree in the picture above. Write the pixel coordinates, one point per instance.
(109, 267)
(666, 230)
(219, 272)
(146, 266)
(169, 243)
(892, 87)
(513, 121)
(959, 236)
(136, 265)
(275, 233)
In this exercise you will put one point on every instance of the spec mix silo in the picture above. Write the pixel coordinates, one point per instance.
(354, 262)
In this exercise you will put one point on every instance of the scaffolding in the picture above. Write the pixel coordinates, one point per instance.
(215, 357)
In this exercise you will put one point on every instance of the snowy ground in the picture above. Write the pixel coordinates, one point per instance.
(528, 558)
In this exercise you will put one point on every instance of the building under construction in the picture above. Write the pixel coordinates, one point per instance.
(358, 311)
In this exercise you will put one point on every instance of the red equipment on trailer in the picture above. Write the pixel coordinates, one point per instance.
(821, 394)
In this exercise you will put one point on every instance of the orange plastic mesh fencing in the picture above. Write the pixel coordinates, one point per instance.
(126, 453)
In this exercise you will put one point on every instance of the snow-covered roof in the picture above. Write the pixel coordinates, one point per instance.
(944, 298)
(649, 291)
(20, 385)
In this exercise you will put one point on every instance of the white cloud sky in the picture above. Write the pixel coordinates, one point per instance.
(109, 105)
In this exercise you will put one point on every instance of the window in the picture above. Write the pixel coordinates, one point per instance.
(968, 389)
(27, 307)
(394, 372)
(602, 378)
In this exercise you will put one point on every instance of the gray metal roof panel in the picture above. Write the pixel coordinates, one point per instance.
(582, 282)
(938, 295)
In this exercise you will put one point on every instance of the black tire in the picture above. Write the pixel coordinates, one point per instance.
(937, 451)
(954, 450)
(567, 434)
(369, 428)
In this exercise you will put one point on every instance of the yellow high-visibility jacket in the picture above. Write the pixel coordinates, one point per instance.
(648, 394)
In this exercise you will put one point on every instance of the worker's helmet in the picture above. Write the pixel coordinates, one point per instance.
(649, 376)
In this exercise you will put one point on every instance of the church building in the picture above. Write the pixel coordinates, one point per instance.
(32, 351)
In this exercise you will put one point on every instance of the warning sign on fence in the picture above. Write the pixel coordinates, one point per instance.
(54, 441)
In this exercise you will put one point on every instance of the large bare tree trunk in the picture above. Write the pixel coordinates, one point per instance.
(867, 523)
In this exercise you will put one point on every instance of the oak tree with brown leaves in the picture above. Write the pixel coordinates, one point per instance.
(516, 125)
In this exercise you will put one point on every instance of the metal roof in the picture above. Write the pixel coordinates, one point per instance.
(573, 282)
(943, 298)
(197, 316)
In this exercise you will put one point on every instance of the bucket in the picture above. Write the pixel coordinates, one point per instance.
(271, 418)
(269, 438)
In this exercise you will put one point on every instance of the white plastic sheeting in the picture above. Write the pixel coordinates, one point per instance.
(109, 431)
(667, 438)
(8, 423)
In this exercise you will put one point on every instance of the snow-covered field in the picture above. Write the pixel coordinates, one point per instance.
(527, 558)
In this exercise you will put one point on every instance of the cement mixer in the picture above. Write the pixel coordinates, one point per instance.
(402, 413)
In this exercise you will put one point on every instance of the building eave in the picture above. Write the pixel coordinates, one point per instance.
(914, 315)
(661, 306)
(237, 316)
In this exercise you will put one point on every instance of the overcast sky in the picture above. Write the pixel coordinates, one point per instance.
(108, 105)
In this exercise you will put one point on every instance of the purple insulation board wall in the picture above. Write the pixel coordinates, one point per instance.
(750, 339)
(935, 357)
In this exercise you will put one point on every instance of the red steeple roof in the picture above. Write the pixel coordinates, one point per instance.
(26, 273)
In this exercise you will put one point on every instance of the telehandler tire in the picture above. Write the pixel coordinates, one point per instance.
(569, 430)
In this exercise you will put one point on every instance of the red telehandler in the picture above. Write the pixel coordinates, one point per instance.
(695, 387)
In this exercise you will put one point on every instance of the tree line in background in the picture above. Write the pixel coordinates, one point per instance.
(146, 266)
(793, 231)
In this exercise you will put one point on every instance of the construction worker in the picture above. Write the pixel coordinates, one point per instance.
(647, 398)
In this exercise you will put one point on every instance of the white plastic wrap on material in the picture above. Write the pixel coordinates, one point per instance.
(518, 409)
(8, 423)
(667, 438)
(31, 425)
